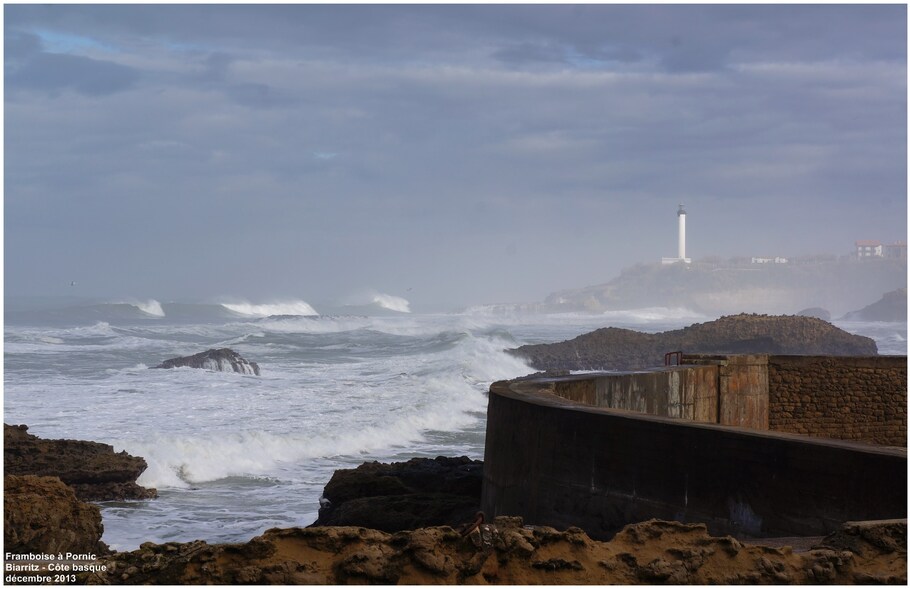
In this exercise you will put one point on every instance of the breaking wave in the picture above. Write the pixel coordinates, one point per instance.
(265, 310)
(392, 303)
(151, 307)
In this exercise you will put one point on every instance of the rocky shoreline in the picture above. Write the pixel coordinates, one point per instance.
(93, 470)
(47, 484)
(42, 515)
(508, 552)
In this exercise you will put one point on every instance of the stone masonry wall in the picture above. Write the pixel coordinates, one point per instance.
(848, 398)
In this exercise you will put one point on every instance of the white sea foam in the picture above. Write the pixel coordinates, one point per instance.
(297, 307)
(654, 314)
(314, 325)
(100, 328)
(151, 307)
(404, 400)
(181, 461)
(392, 303)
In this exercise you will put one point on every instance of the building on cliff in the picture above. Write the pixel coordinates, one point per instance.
(871, 248)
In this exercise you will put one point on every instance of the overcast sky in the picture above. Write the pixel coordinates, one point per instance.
(472, 154)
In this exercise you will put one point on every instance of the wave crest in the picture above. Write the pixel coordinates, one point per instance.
(151, 307)
(297, 307)
(392, 303)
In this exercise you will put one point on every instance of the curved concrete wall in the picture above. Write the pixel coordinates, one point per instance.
(559, 463)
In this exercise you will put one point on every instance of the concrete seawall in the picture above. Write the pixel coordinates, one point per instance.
(559, 462)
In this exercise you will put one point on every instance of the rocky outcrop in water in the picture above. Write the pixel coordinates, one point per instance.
(403, 495)
(611, 348)
(505, 552)
(891, 307)
(41, 515)
(816, 312)
(93, 470)
(220, 360)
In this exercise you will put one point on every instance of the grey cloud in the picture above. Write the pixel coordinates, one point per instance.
(461, 130)
(689, 38)
(52, 72)
(20, 45)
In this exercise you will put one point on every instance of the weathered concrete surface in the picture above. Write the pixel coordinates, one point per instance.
(741, 388)
(562, 464)
(730, 390)
(686, 392)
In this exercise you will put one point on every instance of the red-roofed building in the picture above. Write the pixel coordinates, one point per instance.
(868, 248)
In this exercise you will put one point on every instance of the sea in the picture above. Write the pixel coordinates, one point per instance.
(233, 455)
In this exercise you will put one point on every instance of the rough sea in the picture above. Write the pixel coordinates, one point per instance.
(233, 455)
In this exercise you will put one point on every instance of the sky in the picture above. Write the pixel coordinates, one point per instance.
(458, 155)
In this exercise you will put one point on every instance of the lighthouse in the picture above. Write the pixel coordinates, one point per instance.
(681, 251)
(681, 213)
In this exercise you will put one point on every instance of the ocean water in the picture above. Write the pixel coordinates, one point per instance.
(233, 455)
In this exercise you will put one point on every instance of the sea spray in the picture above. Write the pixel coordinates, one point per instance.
(392, 303)
(151, 307)
(234, 455)
(297, 307)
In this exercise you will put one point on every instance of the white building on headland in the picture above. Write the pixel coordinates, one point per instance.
(868, 248)
(871, 248)
(681, 215)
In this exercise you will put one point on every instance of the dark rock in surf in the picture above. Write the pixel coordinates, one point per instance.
(403, 495)
(93, 470)
(220, 360)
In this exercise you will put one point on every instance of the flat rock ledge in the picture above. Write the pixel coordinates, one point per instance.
(93, 470)
(508, 552)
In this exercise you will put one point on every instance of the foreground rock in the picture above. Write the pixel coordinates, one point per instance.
(41, 515)
(891, 307)
(505, 552)
(612, 348)
(220, 360)
(399, 496)
(93, 470)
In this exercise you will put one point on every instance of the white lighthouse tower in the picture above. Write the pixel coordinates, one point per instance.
(681, 215)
